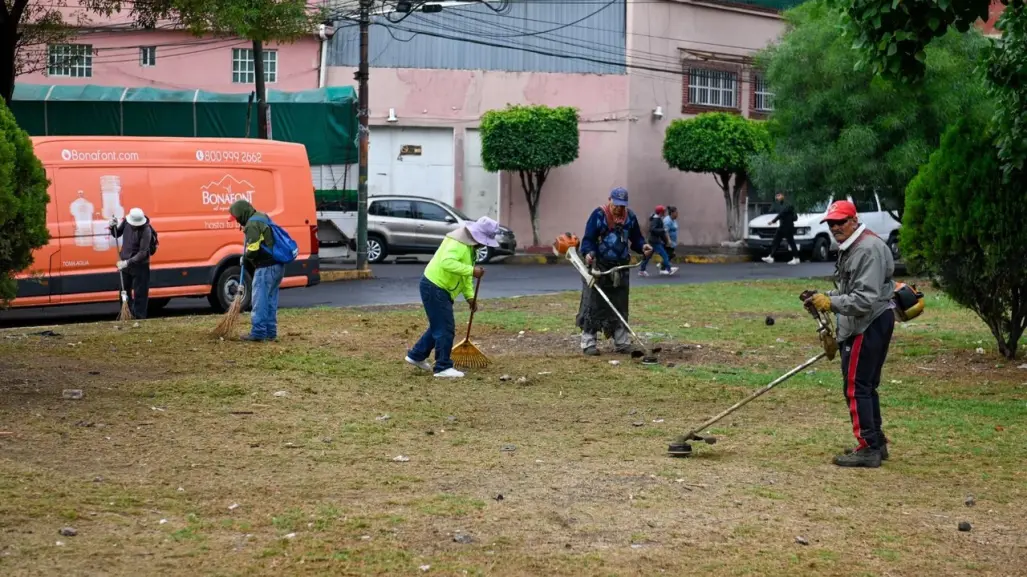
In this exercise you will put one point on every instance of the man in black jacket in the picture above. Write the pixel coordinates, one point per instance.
(135, 234)
(785, 231)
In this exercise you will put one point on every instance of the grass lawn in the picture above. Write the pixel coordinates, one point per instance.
(190, 456)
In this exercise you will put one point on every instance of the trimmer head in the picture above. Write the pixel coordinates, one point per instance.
(682, 448)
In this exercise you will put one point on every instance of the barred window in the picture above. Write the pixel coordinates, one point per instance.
(147, 56)
(71, 60)
(712, 88)
(763, 98)
(243, 66)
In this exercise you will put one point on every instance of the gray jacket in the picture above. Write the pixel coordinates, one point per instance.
(863, 284)
(135, 242)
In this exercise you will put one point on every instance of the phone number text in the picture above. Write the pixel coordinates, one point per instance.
(228, 156)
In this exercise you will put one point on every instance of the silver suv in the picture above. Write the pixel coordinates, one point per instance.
(413, 225)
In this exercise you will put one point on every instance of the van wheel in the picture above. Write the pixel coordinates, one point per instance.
(224, 290)
(893, 244)
(821, 249)
(376, 249)
(156, 305)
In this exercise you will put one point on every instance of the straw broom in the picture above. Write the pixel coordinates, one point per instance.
(465, 354)
(228, 320)
(126, 312)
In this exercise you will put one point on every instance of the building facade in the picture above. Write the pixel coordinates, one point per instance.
(629, 67)
(112, 52)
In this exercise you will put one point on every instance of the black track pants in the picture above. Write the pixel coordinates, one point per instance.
(862, 359)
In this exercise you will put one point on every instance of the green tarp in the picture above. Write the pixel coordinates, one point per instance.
(323, 120)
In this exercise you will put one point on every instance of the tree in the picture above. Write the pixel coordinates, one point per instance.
(26, 28)
(529, 140)
(260, 21)
(23, 201)
(964, 228)
(722, 144)
(892, 38)
(848, 132)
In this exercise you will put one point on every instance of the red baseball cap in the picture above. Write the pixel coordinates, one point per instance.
(840, 210)
(659, 209)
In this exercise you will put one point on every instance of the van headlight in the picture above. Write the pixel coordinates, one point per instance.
(802, 231)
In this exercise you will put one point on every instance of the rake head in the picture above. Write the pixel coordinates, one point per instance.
(466, 355)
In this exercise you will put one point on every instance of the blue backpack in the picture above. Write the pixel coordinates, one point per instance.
(285, 249)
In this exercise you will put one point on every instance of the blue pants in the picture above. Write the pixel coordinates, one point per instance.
(441, 327)
(265, 301)
(658, 249)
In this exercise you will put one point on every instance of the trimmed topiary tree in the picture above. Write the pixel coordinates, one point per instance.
(23, 200)
(964, 228)
(722, 144)
(529, 140)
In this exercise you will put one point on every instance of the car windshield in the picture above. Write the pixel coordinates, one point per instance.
(459, 214)
(820, 206)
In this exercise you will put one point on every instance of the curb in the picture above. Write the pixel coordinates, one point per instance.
(345, 275)
(687, 259)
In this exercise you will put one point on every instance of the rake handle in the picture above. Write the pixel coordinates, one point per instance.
(477, 285)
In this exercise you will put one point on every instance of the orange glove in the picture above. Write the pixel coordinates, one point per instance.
(821, 302)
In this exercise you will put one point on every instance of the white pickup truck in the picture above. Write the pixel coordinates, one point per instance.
(814, 238)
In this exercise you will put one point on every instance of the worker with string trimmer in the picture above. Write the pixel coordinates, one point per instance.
(611, 233)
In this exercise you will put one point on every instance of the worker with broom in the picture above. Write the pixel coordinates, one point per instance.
(862, 302)
(450, 273)
(611, 233)
(260, 265)
(135, 237)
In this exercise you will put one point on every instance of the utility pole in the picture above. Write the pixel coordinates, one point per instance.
(362, 115)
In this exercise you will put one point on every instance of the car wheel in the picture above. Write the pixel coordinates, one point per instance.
(483, 255)
(225, 289)
(821, 249)
(376, 251)
(893, 244)
(156, 305)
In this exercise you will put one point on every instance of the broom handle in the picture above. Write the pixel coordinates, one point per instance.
(470, 320)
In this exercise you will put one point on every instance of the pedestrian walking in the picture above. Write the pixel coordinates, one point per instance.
(611, 233)
(137, 237)
(659, 239)
(260, 265)
(450, 273)
(785, 230)
(670, 222)
(862, 301)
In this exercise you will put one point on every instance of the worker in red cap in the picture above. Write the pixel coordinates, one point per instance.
(659, 239)
(861, 302)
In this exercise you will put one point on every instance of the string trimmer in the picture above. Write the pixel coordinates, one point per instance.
(825, 333)
(568, 244)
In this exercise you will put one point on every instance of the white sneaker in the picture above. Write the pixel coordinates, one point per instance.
(669, 272)
(768, 259)
(423, 365)
(643, 273)
(795, 260)
(450, 374)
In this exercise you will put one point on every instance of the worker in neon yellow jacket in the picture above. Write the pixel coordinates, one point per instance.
(450, 273)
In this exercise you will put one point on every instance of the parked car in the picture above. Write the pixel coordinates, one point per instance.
(814, 239)
(399, 225)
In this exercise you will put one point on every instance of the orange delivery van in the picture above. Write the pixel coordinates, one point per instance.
(185, 186)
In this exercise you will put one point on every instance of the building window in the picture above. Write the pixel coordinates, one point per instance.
(243, 66)
(763, 98)
(712, 88)
(147, 56)
(72, 60)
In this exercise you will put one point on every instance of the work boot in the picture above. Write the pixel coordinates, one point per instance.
(884, 451)
(865, 457)
(591, 351)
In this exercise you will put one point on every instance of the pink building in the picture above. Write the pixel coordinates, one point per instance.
(629, 67)
(108, 51)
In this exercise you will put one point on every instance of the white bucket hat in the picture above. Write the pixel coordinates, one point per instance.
(136, 217)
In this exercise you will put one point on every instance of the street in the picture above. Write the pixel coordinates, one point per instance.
(398, 284)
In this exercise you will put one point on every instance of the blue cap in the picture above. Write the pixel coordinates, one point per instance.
(619, 196)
